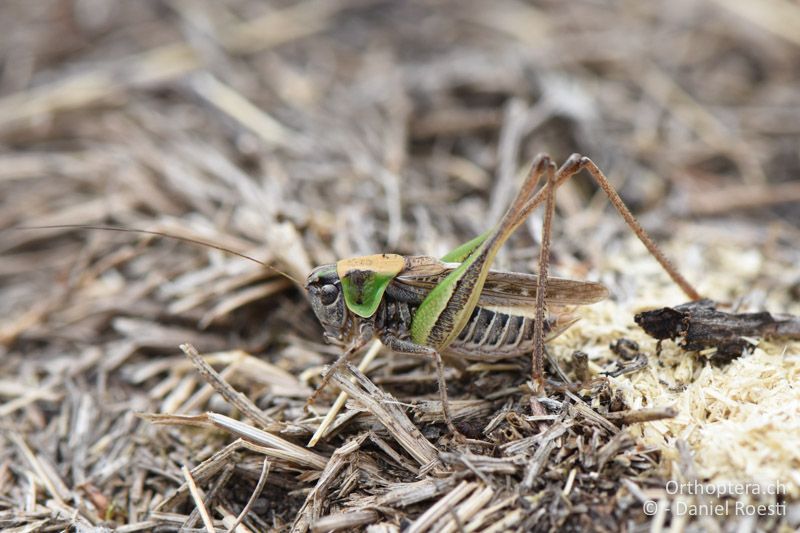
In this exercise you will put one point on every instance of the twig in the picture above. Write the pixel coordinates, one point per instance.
(198, 499)
(429, 517)
(373, 351)
(271, 443)
(390, 414)
(219, 483)
(236, 399)
(349, 520)
(642, 415)
(262, 480)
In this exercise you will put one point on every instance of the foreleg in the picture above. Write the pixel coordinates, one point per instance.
(346, 356)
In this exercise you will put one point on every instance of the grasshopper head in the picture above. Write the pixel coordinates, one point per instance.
(325, 293)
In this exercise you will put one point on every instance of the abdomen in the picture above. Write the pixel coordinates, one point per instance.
(493, 335)
(488, 336)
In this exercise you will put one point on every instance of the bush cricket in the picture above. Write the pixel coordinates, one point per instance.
(456, 307)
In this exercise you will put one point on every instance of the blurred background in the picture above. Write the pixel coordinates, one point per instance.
(302, 132)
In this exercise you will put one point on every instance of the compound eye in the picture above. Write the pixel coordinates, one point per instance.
(328, 294)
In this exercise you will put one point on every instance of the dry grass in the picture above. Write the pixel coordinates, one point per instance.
(299, 133)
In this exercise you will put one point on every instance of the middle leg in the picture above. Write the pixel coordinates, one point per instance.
(410, 348)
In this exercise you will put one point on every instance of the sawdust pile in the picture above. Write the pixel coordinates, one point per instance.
(302, 132)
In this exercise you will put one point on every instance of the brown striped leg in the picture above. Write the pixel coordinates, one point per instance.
(410, 348)
(541, 285)
(575, 164)
(648, 242)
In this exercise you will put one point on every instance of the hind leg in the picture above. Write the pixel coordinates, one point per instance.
(573, 166)
(541, 285)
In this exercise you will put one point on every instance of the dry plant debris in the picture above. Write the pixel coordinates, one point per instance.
(302, 132)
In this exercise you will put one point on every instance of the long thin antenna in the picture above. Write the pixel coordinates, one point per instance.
(162, 234)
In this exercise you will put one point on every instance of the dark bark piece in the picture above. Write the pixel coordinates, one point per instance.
(698, 325)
